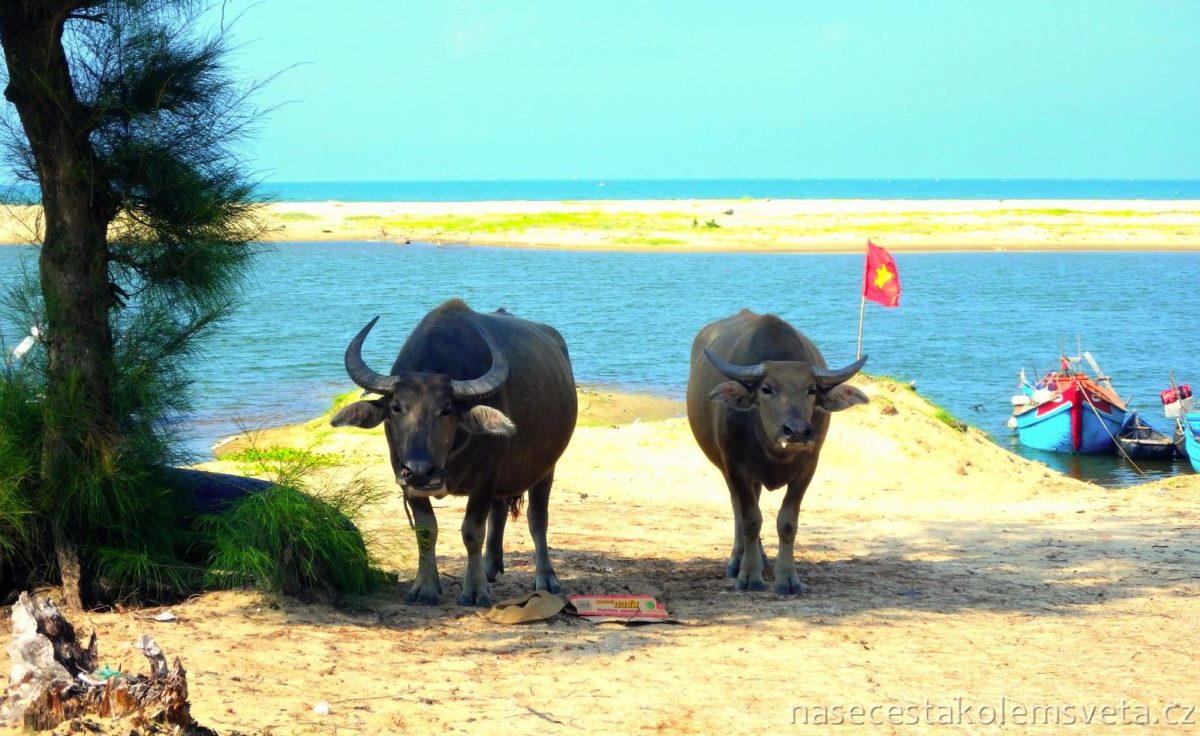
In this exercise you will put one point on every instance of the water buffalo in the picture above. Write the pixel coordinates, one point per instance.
(480, 405)
(758, 400)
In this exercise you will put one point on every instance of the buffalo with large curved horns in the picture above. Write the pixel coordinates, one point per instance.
(759, 398)
(481, 405)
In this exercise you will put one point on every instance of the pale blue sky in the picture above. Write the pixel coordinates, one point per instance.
(533, 89)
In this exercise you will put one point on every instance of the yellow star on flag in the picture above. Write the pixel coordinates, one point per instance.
(882, 276)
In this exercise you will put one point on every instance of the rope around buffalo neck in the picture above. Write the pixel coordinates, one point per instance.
(408, 512)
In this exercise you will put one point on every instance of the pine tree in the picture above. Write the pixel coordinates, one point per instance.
(127, 121)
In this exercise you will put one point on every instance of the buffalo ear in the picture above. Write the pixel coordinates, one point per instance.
(487, 420)
(734, 395)
(364, 414)
(840, 397)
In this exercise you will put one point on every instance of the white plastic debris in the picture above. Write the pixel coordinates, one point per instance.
(321, 708)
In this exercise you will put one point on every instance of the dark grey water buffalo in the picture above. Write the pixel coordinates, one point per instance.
(480, 405)
(758, 400)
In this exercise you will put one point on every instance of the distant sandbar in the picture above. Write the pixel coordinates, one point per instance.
(735, 225)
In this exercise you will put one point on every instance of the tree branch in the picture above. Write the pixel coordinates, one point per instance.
(92, 17)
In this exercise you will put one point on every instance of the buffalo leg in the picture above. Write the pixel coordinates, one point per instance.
(427, 588)
(787, 582)
(493, 557)
(538, 513)
(474, 526)
(749, 525)
(735, 558)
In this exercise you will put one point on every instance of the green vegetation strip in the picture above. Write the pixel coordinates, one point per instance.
(279, 454)
(677, 228)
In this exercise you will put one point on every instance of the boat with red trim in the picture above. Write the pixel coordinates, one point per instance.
(1068, 410)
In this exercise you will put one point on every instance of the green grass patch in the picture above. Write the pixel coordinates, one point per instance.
(280, 454)
(283, 540)
(949, 419)
(1062, 212)
(522, 221)
(298, 217)
(297, 537)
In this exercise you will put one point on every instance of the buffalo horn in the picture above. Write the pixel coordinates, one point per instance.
(827, 378)
(490, 382)
(741, 373)
(358, 370)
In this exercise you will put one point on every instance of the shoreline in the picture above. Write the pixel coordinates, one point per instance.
(729, 225)
(820, 248)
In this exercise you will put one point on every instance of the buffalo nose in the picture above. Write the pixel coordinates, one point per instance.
(797, 432)
(417, 472)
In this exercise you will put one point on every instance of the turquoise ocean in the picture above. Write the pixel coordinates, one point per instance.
(966, 326)
(597, 189)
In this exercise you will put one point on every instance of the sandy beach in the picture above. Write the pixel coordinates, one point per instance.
(953, 587)
(731, 225)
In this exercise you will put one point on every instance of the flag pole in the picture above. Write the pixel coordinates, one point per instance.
(862, 311)
(862, 307)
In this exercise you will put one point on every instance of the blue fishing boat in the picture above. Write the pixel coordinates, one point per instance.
(1191, 428)
(1069, 410)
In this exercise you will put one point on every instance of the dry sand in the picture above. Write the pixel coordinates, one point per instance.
(731, 225)
(951, 584)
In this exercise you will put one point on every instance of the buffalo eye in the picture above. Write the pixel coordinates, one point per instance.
(397, 408)
(766, 390)
(446, 411)
(812, 391)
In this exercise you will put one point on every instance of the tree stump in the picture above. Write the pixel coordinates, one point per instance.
(51, 678)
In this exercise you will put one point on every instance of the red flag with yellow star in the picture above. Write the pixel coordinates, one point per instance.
(882, 282)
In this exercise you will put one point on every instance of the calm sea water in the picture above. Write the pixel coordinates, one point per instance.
(598, 189)
(617, 189)
(967, 324)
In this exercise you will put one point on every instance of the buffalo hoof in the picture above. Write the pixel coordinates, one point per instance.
(548, 583)
(424, 595)
(750, 585)
(790, 587)
(734, 566)
(492, 568)
(480, 600)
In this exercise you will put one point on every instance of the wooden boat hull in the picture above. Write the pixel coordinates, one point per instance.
(1147, 449)
(1075, 420)
(1139, 441)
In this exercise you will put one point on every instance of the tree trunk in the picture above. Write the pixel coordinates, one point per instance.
(80, 425)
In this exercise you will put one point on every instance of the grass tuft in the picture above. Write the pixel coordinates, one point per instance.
(284, 540)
